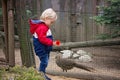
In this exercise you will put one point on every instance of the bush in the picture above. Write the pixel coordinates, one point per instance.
(21, 73)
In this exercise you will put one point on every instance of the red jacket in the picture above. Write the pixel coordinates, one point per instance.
(41, 31)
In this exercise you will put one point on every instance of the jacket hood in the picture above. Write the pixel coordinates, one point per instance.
(34, 24)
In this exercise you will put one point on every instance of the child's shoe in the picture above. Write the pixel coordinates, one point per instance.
(47, 78)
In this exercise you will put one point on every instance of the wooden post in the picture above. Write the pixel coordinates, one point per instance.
(11, 34)
(5, 25)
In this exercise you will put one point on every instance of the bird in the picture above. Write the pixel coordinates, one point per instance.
(68, 64)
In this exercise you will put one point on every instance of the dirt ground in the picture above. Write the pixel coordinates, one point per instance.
(18, 62)
(106, 62)
(61, 78)
(106, 66)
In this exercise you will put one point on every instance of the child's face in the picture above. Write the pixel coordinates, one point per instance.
(49, 21)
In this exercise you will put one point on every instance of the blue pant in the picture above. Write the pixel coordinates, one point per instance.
(43, 62)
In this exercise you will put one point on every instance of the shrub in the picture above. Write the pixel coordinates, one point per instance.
(21, 73)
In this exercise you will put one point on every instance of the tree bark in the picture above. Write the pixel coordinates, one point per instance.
(62, 19)
(11, 34)
(45, 4)
(86, 76)
(73, 20)
(27, 54)
(11, 38)
(5, 25)
(97, 43)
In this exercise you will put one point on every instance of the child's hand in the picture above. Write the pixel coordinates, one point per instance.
(56, 43)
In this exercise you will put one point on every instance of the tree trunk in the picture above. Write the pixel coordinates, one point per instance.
(73, 20)
(11, 38)
(62, 20)
(45, 4)
(27, 54)
(5, 25)
(11, 33)
(85, 76)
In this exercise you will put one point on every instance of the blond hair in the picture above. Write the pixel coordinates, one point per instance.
(49, 13)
